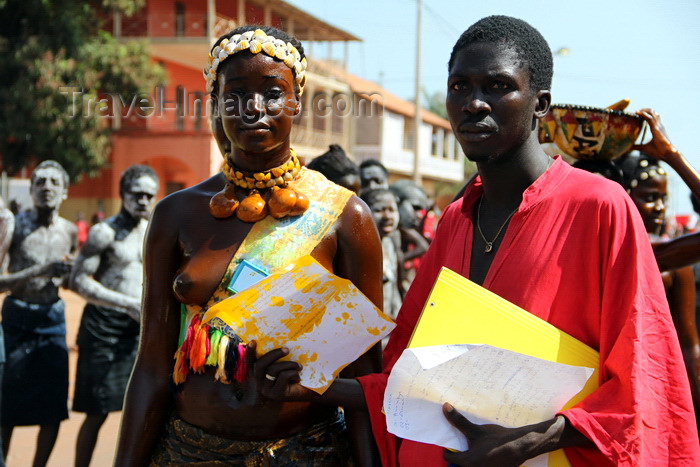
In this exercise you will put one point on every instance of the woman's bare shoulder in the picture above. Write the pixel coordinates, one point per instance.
(189, 201)
(356, 225)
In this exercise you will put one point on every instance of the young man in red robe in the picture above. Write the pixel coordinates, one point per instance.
(565, 245)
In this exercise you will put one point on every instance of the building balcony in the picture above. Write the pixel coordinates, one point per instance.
(178, 26)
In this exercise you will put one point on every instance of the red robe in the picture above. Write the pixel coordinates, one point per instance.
(576, 255)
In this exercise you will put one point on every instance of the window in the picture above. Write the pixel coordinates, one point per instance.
(320, 107)
(180, 108)
(179, 19)
(408, 133)
(434, 142)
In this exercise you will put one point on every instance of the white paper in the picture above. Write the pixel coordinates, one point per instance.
(324, 320)
(484, 383)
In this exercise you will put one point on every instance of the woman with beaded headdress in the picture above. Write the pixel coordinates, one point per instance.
(194, 397)
(646, 183)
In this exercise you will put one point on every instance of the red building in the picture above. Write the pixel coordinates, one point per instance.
(168, 128)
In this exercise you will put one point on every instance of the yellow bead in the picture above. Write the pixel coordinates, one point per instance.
(242, 45)
(269, 48)
(255, 46)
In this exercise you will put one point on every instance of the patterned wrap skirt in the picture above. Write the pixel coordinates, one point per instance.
(324, 444)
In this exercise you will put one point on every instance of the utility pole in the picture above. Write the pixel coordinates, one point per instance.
(417, 116)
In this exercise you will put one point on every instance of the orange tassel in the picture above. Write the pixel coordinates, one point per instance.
(180, 371)
(198, 351)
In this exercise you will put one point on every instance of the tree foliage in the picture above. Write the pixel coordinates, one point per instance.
(435, 103)
(48, 52)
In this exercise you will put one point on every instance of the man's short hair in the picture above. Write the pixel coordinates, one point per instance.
(51, 164)
(134, 172)
(370, 162)
(532, 49)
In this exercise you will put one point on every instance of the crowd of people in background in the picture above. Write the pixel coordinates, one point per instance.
(193, 393)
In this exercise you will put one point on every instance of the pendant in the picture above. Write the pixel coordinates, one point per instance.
(489, 247)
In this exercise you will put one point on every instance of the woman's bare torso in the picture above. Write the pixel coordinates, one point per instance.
(206, 246)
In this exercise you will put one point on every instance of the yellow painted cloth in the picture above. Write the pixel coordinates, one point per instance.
(271, 245)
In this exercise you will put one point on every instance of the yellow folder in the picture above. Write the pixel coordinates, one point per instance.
(458, 311)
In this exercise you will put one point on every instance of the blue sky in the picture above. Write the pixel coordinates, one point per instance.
(643, 50)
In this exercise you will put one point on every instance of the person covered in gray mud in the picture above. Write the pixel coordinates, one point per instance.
(109, 275)
(35, 380)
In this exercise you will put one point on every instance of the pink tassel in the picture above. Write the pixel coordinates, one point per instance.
(185, 348)
(241, 368)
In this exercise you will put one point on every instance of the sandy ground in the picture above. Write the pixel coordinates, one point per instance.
(23, 442)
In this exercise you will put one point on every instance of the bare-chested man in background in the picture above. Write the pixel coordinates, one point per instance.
(109, 275)
(35, 380)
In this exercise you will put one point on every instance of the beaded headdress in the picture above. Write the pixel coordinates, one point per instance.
(637, 169)
(256, 41)
(645, 171)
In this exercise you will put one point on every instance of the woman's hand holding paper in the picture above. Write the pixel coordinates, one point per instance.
(275, 379)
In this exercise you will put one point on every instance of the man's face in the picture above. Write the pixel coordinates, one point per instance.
(385, 213)
(413, 207)
(48, 189)
(490, 103)
(373, 177)
(139, 196)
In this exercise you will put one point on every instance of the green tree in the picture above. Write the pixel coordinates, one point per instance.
(435, 102)
(49, 50)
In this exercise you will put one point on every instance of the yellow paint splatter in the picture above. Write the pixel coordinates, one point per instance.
(374, 331)
(276, 301)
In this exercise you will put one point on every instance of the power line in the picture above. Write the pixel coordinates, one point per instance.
(443, 22)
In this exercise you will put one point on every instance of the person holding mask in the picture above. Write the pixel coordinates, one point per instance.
(266, 210)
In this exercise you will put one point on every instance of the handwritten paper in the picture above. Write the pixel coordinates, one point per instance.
(324, 320)
(484, 383)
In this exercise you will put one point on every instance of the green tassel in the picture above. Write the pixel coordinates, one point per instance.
(214, 339)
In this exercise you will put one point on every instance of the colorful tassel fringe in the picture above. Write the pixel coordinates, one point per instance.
(203, 345)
